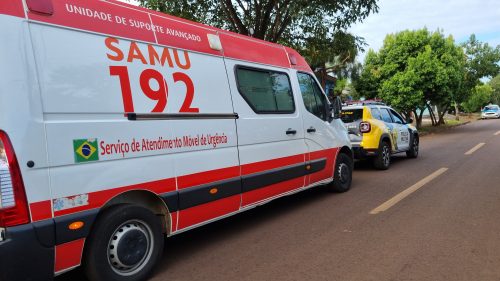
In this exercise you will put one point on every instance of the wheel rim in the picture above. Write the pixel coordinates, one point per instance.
(386, 155)
(343, 171)
(130, 247)
(415, 146)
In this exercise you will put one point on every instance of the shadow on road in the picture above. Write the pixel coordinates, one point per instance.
(367, 164)
(186, 244)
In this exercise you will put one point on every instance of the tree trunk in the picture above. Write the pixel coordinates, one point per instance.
(418, 118)
(441, 113)
(457, 115)
(432, 115)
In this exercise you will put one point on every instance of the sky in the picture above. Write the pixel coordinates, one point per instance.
(460, 18)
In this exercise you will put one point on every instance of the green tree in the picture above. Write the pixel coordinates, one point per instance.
(413, 70)
(495, 85)
(313, 27)
(328, 55)
(367, 82)
(270, 20)
(480, 96)
(482, 61)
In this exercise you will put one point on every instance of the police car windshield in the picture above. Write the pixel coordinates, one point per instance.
(351, 115)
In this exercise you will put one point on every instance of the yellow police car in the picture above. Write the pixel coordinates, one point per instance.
(377, 131)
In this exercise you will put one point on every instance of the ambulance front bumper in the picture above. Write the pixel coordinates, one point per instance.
(23, 256)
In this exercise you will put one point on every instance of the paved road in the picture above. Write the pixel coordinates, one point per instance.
(446, 229)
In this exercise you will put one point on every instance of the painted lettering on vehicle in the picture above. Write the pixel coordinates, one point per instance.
(123, 148)
(167, 58)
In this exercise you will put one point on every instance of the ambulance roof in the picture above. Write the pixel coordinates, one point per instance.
(118, 19)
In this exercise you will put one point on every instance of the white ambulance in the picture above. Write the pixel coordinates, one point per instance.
(119, 125)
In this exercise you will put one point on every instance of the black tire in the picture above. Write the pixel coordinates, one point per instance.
(383, 159)
(414, 147)
(342, 177)
(125, 244)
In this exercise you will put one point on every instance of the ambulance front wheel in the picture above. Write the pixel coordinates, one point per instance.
(125, 244)
(342, 177)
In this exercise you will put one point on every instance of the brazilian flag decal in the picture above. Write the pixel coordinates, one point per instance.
(86, 150)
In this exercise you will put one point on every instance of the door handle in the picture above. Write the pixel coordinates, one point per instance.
(291, 131)
(311, 130)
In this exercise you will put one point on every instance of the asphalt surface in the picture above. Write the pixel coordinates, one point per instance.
(447, 229)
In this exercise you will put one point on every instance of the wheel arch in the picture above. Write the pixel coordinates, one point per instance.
(346, 150)
(386, 137)
(413, 134)
(146, 199)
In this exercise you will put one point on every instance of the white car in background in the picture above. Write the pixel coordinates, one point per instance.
(490, 111)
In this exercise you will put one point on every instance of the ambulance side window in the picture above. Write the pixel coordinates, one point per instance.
(267, 92)
(314, 99)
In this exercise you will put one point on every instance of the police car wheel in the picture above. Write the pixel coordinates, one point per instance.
(383, 158)
(413, 151)
(342, 177)
(125, 244)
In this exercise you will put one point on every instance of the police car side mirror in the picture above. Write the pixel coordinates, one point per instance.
(409, 121)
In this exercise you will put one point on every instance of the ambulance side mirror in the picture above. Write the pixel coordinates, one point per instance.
(336, 108)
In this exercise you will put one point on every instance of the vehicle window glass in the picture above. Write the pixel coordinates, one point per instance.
(266, 91)
(397, 118)
(351, 115)
(314, 99)
(376, 113)
(491, 107)
(386, 117)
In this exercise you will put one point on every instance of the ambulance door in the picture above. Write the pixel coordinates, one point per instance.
(208, 171)
(270, 131)
(320, 137)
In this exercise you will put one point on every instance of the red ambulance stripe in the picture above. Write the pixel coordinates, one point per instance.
(98, 16)
(159, 14)
(302, 64)
(184, 36)
(99, 198)
(174, 217)
(127, 5)
(267, 192)
(327, 172)
(12, 8)
(41, 210)
(124, 20)
(242, 48)
(256, 167)
(208, 177)
(69, 255)
(209, 211)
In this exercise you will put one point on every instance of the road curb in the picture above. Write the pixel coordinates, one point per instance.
(443, 129)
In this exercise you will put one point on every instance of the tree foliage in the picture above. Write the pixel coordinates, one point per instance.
(480, 96)
(412, 70)
(482, 61)
(316, 28)
(271, 20)
(495, 86)
(368, 81)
